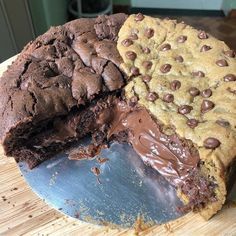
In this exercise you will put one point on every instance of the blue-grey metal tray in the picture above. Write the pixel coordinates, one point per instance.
(126, 188)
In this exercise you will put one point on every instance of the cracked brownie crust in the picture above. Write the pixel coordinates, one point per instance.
(55, 75)
(187, 80)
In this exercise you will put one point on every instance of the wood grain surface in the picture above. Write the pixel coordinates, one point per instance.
(22, 212)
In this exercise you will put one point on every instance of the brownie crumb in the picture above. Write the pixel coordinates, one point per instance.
(102, 160)
(96, 171)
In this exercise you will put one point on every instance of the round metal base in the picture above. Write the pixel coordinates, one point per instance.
(125, 190)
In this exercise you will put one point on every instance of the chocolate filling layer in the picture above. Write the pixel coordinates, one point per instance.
(173, 157)
(108, 119)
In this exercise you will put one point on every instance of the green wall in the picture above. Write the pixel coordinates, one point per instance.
(121, 2)
(46, 13)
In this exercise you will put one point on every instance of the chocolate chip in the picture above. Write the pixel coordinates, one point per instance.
(149, 33)
(146, 78)
(147, 65)
(133, 36)
(168, 98)
(230, 53)
(131, 55)
(133, 100)
(231, 90)
(229, 78)
(139, 17)
(134, 70)
(179, 59)
(152, 96)
(175, 85)
(192, 123)
(206, 106)
(206, 93)
(127, 42)
(165, 68)
(146, 50)
(222, 63)
(193, 91)
(185, 109)
(223, 123)
(165, 47)
(198, 74)
(181, 39)
(205, 48)
(202, 35)
(211, 143)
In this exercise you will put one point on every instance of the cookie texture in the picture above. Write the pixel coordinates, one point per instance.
(187, 80)
(57, 74)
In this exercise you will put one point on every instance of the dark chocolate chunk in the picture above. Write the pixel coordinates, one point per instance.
(127, 42)
(133, 36)
(181, 39)
(146, 50)
(192, 123)
(202, 35)
(229, 78)
(146, 78)
(131, 55)
(205, 48)
(206, 106)
(134, 70)
(139, 17)
(179, 59)
(222, 63)
(223, 123)
(185, 109)
(149, 33)
(230, 53)
(133, 100)
(147, 65)
(194, 91)
(102, 160)
(198, 74)
(175, 85)
(165, 68)
(165, 47)
(206, 93)
(211, 143)
(152, 96)
(168, 97)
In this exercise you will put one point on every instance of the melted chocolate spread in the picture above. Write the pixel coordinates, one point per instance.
(171, 156)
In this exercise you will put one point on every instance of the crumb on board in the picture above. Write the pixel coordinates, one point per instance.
(96, 171)
(102, 160)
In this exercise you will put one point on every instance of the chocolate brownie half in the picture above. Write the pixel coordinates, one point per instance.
(186, 79)
(48, 92)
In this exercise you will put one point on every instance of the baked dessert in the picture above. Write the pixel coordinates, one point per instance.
(186, 79)
(158, 88)
(51, 90)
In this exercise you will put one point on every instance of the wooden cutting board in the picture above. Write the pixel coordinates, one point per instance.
(22, 212)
